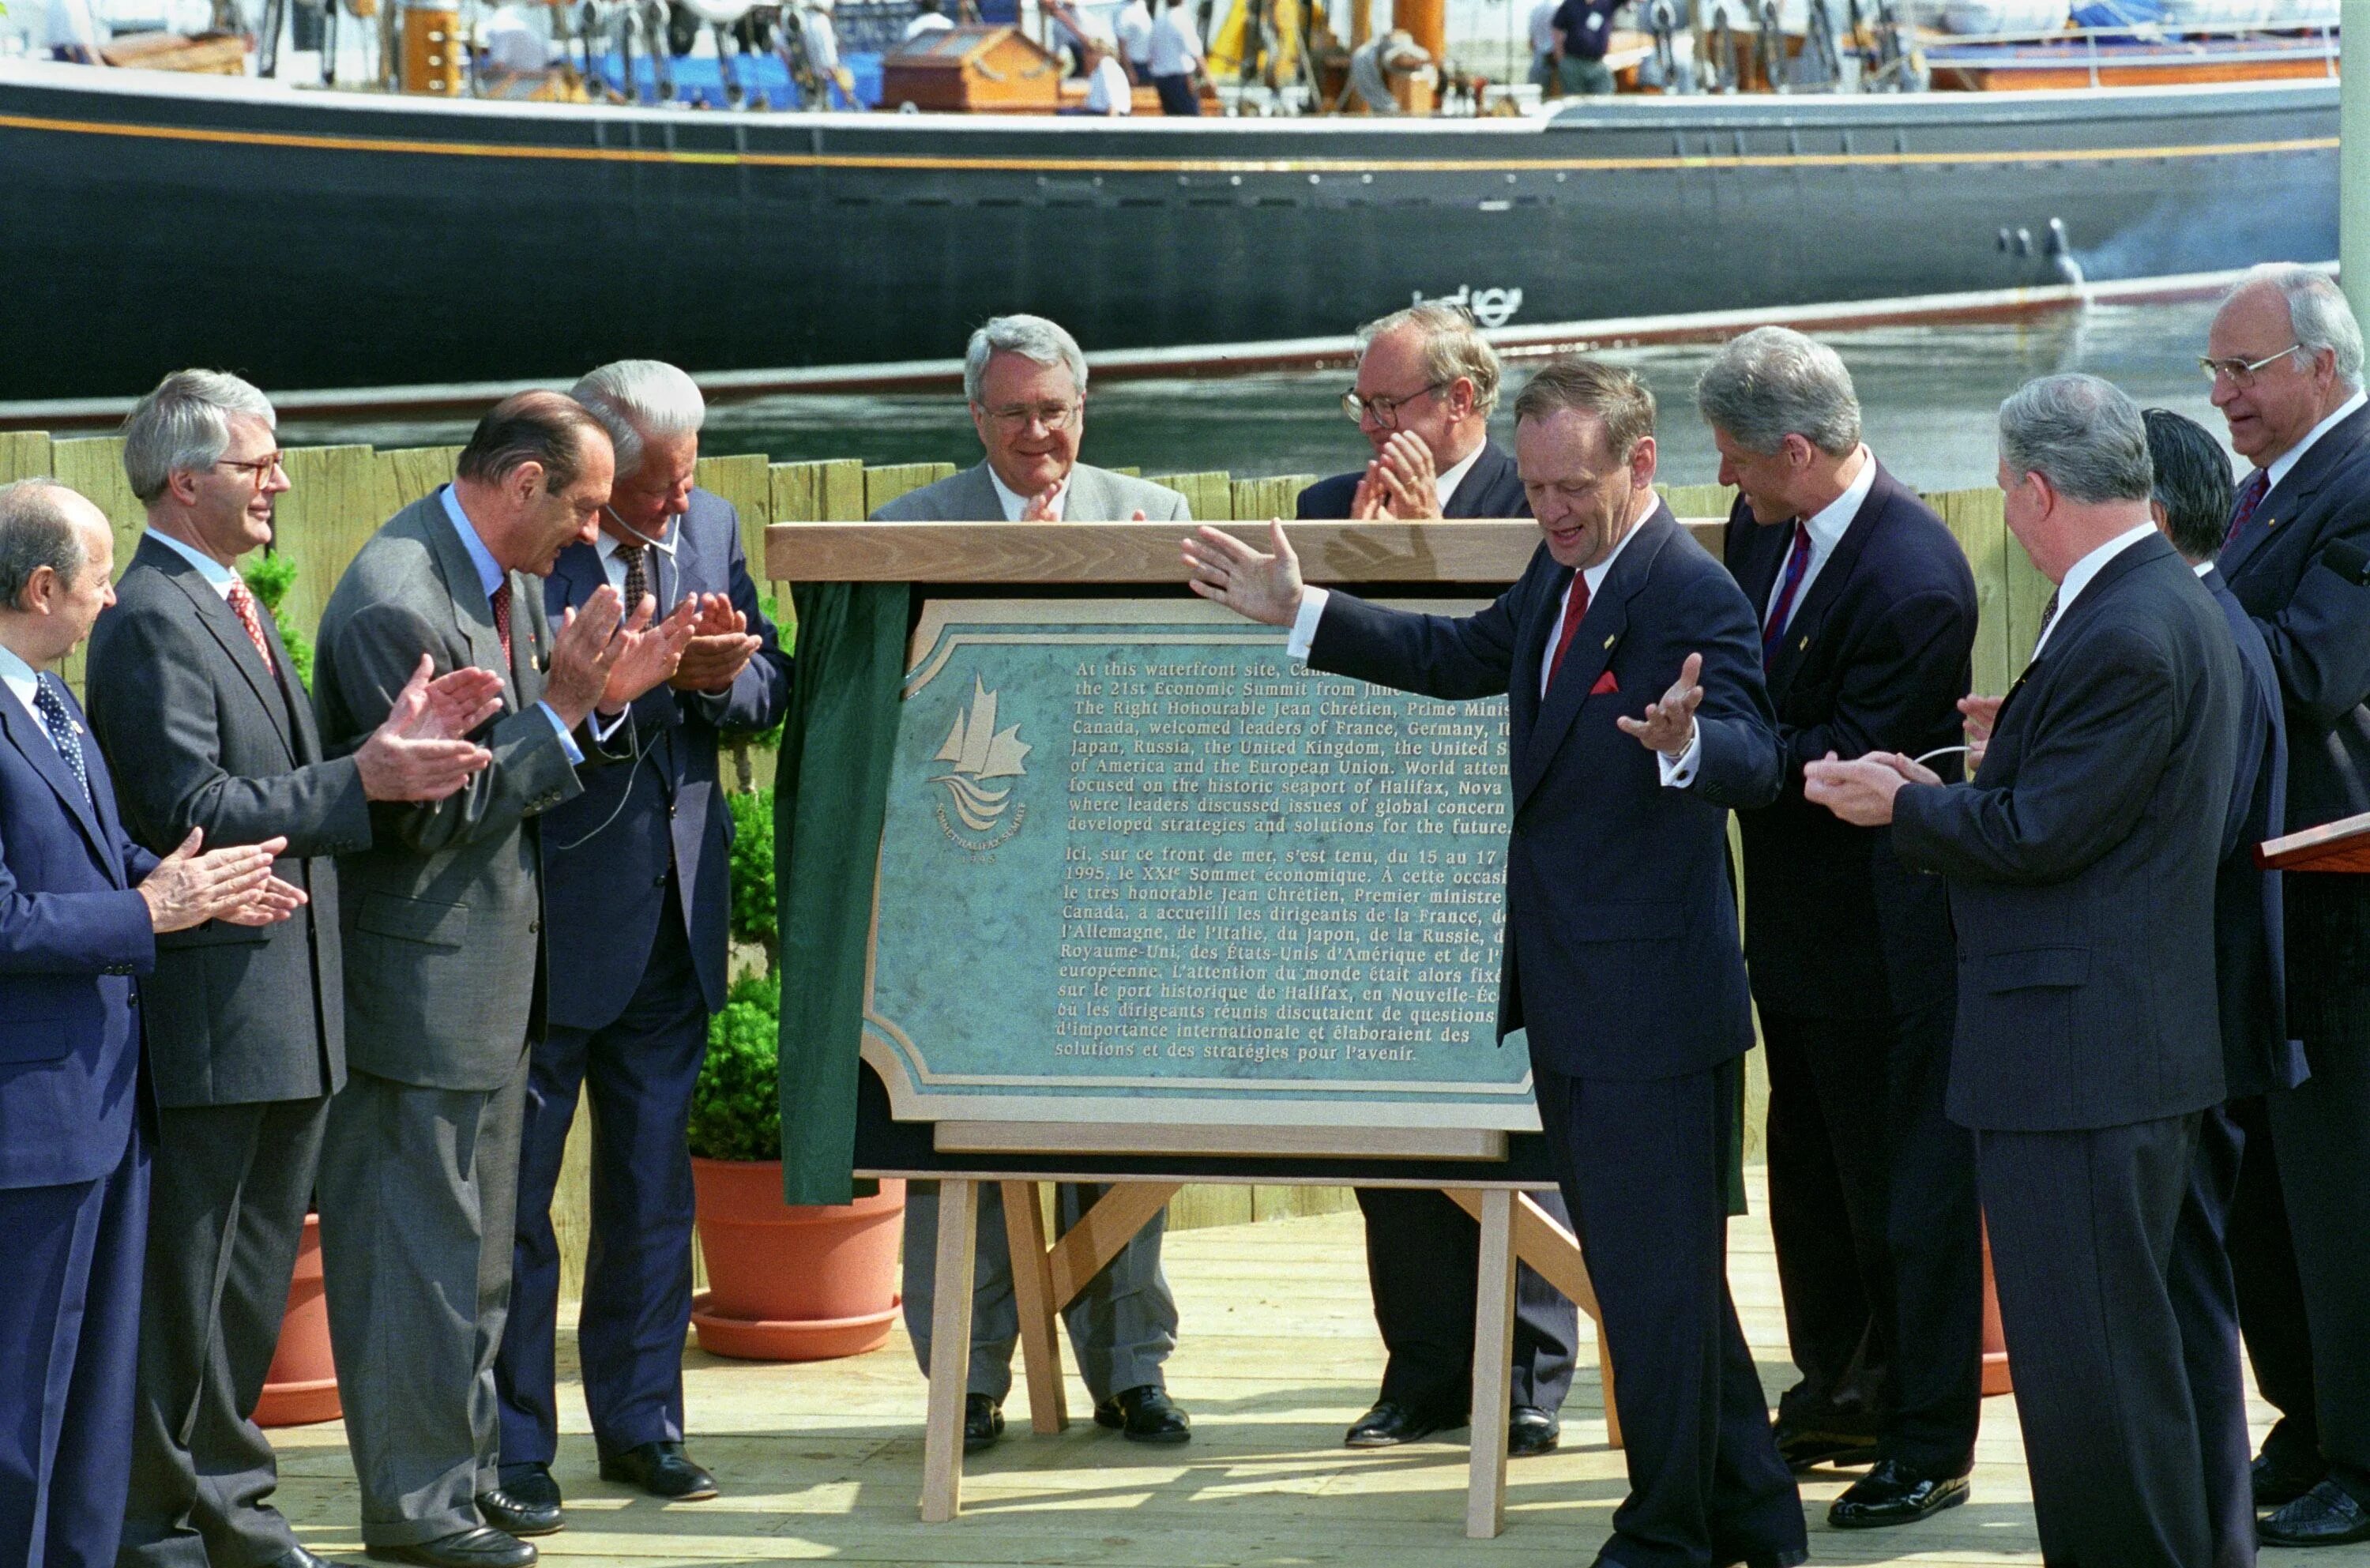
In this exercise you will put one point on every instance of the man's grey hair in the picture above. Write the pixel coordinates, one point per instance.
(1032, 338)
(1453, 346)
(2318, 313)
(639, 401)
(1773, 383)
(2084, 436)
(184, 427)
(36, 530)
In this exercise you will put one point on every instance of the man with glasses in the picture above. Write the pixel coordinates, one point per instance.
(2285, 356)
(1027, 383)
(1427, 383)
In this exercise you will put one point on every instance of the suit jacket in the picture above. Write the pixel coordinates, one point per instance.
(1490, 488)
(1876, 657)
(2082, 862)
(2313, 620)
(1621, 955)
(607, 852)
(73, 933)
(443, 914)
(200, 734)
(1096, 495)
(2250, 949)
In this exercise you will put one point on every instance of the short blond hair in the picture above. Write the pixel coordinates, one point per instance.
(1624, 404)
(1453, 347)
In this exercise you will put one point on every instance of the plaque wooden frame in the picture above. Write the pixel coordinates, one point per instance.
(2342, 847)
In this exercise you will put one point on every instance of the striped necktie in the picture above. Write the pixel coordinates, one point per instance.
(2250, 496)
(1798, 561)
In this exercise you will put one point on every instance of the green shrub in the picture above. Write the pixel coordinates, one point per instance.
(736, 1112)
(269, 576)
(755, 913)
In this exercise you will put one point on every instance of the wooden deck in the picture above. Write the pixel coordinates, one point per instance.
(1278, 1355)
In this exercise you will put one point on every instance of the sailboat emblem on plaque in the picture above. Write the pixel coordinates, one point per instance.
(977, 809)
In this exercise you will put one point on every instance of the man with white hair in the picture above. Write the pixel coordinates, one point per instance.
(636, 886)
(207, 725)
(2284, 355)
(1868, 624)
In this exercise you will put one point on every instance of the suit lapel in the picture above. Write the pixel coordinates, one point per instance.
(1810, 615)
(473, 615)
(1479, 482)
(223, 624)
(1599, 634)
(2288, 497)
(32, 739)
(2074, 615)
(303, 728)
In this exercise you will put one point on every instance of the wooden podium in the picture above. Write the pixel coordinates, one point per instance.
(2342, 845)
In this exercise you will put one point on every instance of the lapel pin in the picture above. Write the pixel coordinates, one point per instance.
(1608, 641)
(1799, 646)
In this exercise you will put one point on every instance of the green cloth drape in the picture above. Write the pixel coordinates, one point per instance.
(830, 791)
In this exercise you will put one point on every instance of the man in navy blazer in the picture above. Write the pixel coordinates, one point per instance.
(2286, 356)
(637, 884)
(81, 906)
(1424, 1254)
(1621, 956)
(1867, 622)
(2082, 863)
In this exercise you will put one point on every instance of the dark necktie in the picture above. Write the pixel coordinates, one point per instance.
(60, 723)
(2048, 618)
(637, 586)
(1575, 611)
(501, 600)
(2250, 496)
(1798, 561)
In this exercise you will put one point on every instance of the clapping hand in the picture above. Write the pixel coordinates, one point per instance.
(720, 648)
(419, 752)
(1861, 792)
(582, 652)
(1227, 571)
(187, 888)
(1669, 726)
(1402, 482)
(651, 652)
(1982, 714)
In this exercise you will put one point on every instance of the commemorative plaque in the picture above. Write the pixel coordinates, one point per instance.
(1138, 866)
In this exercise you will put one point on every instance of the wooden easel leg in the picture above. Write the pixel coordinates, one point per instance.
(1493, 1351)
(942, 1437)
(1604, 1382)
(1032, 1295)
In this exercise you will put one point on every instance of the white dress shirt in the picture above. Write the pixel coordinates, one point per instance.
(2078, 576)
(1176, 47)
(1109, 91)
(218, 576)
(926, 22)
(1015, 503)
(1444, 485)
(656, 561)
(1135, 28)
(2288, 459)
(1826, 528)
(22, 680)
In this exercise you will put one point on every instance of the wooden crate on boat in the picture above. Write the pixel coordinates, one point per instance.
(216, 55)
(973, 69)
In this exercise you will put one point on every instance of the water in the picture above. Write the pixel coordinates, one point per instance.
(1928, 395)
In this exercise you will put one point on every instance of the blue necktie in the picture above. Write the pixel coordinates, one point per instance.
(51, 706)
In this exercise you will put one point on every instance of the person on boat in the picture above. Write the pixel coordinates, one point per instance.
(1174, 60)
(1374, 65)
(1133, 28)
(929, 19)
(1583, 32)
(1109, 92)
(1542, 45)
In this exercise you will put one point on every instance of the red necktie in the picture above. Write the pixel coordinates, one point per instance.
(1798, 561)
(2250, 496)
(242, 604)
(1575, 610)
(501, 600)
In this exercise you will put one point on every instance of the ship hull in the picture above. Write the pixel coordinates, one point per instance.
(323, 241)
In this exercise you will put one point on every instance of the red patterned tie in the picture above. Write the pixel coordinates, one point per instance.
(2250, 496)
(1575, 610)
(501, 600)
(242, 604)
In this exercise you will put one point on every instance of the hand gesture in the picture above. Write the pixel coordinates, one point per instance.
(1982, 713)
(650, 653)
(1041, 506)
(1408, 473)
(1859, 791)
(582, 652)
(1228, 571)
(269, 904)
(1669, 726)
(720, 648)
(417, 752)
(187, 888)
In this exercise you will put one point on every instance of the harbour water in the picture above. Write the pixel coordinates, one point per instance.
(1928, 393)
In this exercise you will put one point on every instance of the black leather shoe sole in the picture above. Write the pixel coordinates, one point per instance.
(1848, 1516)
(1810, 1452)
(512, 1517)
(681, 1481)
(1414, 1429)
(2327, 1515)
(1528, 1439)
(472, 1548)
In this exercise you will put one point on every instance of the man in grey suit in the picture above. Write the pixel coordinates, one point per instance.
(443, 917)
(1027, 385)
(205, 724)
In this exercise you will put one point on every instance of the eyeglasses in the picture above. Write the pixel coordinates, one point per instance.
(1053, 416)
(259, 471)
(2241, 371)
(1386, 410)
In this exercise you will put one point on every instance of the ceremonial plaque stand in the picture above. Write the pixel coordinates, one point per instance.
(1486, 1173)
(2342, 847)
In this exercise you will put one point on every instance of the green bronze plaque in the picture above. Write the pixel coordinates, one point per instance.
(1139, 866)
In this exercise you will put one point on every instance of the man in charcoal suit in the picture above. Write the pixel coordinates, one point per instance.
(205, 724)
(1427, 384)
(81, 908)
(636, 882)
(1868, 619)
(444, 961)
(1026, 381)
(2286, 356)
(2082, 863)
(1621, 955)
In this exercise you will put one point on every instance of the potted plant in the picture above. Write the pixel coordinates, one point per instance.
(784, 1283)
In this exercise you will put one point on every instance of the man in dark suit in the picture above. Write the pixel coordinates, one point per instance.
(1433, 457)
(636, 884)
(81, 908)
(1621, 955)
(2082, 863)
(2286, 356)
(205, 724)
(2192, 506)
(1867, 622)
(444, 961)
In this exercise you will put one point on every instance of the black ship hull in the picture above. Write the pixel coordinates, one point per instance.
(314, 239)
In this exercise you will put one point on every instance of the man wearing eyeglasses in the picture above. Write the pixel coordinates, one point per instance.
(1427, 383)
(1026, 380)
(2285, 356)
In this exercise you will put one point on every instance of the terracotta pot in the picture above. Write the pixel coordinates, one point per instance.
(785, 1284)
(301, 1387)
(1995, 1378)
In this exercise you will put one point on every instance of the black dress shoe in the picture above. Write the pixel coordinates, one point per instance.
(1531, 1430)
(1144, 1416)
(297, 1557)
(1892, 1493)
(2327, 1515)
(530, 1485)
(982, 1422)
(480, 1548)
(2282, 1475)
(1805, 1450)
(521, 1514)
(1388, 1425)
(662, 1469)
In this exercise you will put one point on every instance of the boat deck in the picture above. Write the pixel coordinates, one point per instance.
(1277, 1354)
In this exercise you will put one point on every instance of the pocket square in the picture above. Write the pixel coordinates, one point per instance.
(1604, 683)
